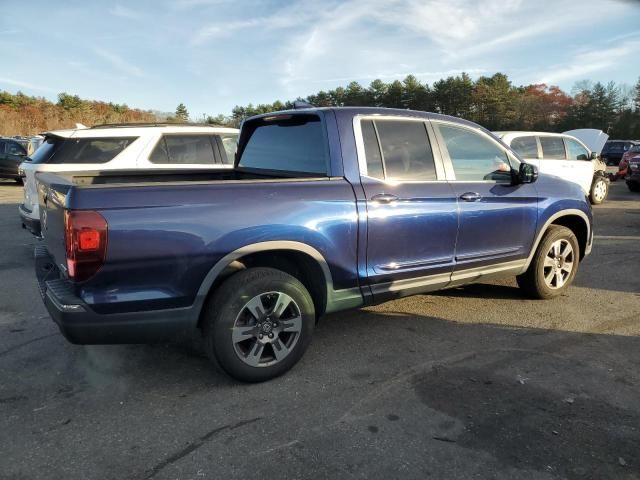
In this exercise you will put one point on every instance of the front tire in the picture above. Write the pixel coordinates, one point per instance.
(554, 265)
(258, 324)
(599, 190)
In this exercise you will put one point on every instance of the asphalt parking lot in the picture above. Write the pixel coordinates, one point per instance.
(475, 382)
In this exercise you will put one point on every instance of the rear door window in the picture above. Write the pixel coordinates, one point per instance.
(526, 147)
(184, 149)
(552, 148)
(406, 151)
(83, 150)
(287, 143)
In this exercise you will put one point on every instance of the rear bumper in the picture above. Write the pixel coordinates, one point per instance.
(81, 325)
(28, 221)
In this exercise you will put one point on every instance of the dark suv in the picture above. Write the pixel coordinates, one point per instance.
(12, 154)
(614, 150)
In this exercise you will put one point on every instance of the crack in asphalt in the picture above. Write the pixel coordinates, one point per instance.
(28, 342)
(195, 445)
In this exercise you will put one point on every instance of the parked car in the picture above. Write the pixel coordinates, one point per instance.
(633, 177)
(614, 150)
(30, 144)
(11, 155)
(565, 156)
(327, 209)
(623, 167)
(124, 146)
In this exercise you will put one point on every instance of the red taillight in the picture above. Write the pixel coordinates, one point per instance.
(85, 237)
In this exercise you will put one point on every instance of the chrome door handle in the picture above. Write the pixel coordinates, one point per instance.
(384, 198)
(470, 197)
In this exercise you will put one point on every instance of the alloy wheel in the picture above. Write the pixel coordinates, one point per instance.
(558, 264)
(267, 329)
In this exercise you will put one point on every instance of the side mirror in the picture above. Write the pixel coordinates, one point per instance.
(595, 155)
(527, 173)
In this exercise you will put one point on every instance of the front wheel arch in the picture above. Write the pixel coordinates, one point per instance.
(575, 220)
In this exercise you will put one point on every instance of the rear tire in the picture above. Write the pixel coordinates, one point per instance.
(599, 190)
(554, 265)
(258, 324)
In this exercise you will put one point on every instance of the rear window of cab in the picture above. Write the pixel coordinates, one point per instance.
(293, 143)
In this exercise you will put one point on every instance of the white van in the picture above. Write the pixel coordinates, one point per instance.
(565, 156)
(124, 146)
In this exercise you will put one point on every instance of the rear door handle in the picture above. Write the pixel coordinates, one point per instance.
(384, 198)
(470, 197)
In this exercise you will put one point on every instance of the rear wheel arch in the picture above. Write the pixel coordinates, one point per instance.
(297, 259)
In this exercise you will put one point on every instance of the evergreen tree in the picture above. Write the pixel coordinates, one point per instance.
(377, 93)
(182, 115)
(415, 94)
(394, 96)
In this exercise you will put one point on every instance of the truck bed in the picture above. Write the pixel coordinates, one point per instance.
(168, 229)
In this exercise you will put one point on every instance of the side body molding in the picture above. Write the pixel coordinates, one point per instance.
(336, 299)
(550, 220)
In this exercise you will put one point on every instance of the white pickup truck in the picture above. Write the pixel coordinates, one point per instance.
(572, 155)
(124, 147)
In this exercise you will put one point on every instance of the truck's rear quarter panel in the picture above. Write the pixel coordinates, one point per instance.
(164, 239)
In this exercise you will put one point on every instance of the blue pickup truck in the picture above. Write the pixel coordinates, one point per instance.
(326, 209)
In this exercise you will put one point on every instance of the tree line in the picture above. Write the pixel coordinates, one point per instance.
(492, 101)
(25, 115)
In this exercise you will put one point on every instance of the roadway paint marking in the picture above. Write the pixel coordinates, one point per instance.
(615, 237)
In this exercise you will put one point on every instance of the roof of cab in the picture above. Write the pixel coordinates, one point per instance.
(355, 111)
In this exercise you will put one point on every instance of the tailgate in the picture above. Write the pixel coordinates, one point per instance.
(52, 198)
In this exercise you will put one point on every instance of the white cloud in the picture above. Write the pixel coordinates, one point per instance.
(10, 31)
(585, 63)
(217, 30)
(21, 84)
(188, 4)
(119, 63)
(124, 12)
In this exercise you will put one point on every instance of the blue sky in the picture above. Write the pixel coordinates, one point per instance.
(214, 54)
